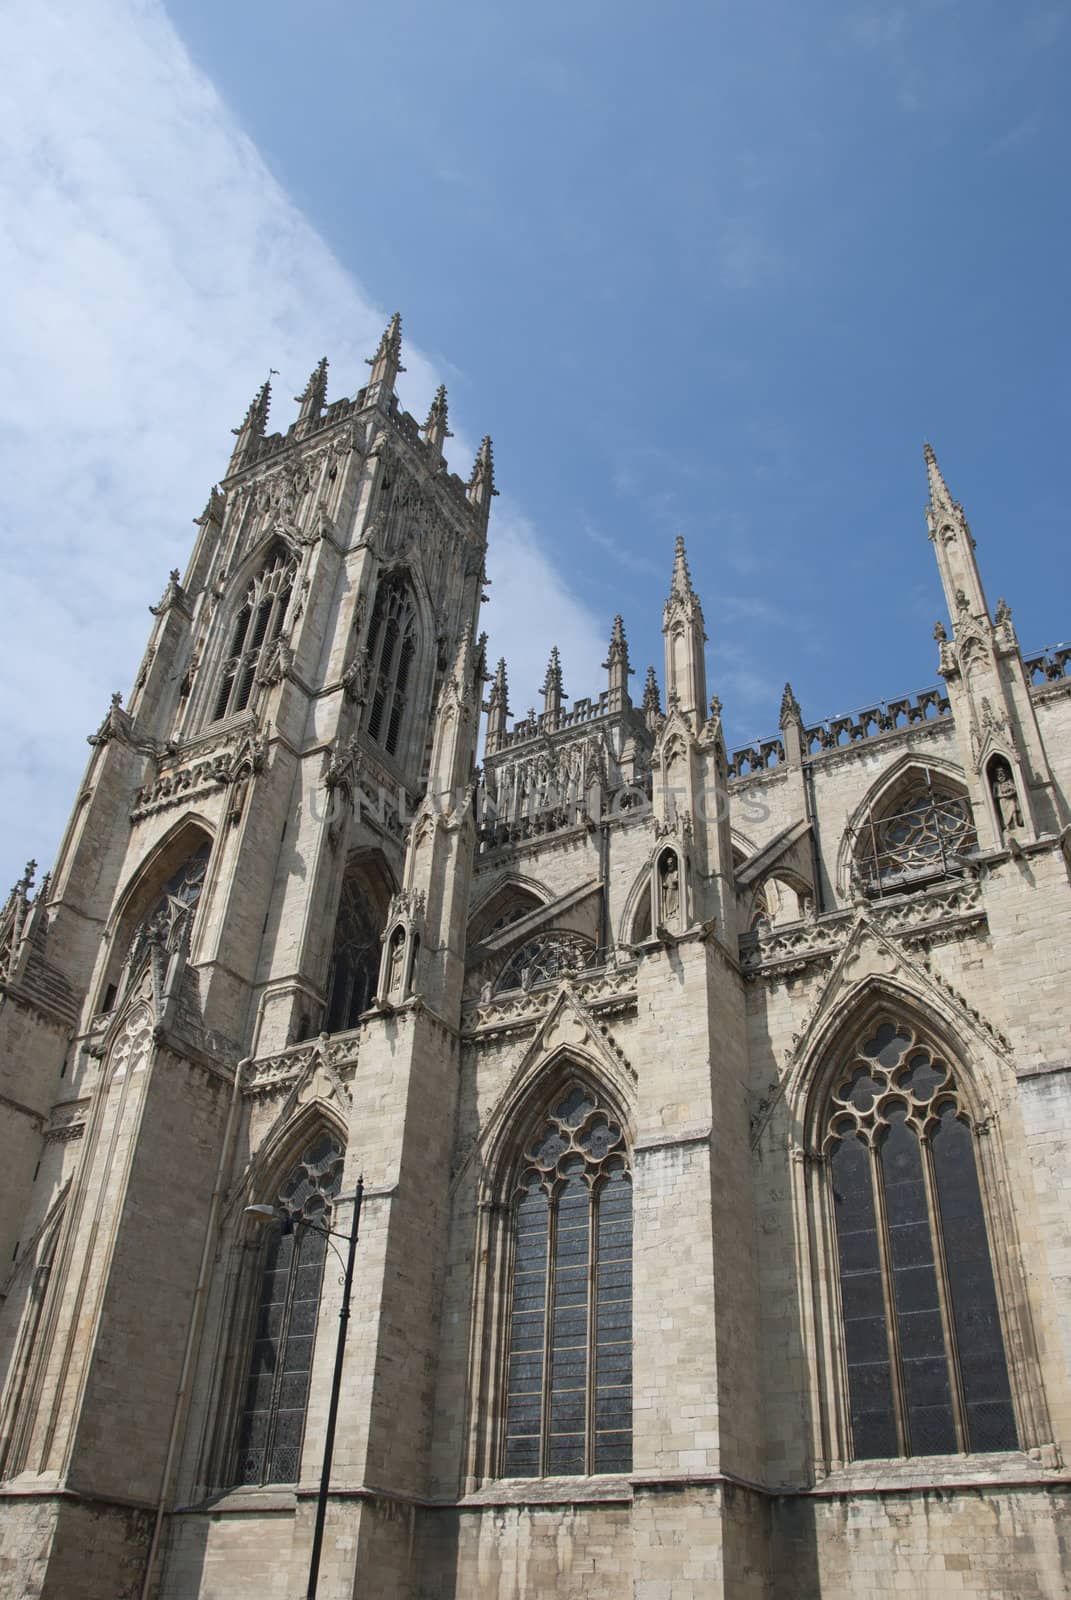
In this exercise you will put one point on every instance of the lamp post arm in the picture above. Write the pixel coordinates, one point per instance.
(336, 1387)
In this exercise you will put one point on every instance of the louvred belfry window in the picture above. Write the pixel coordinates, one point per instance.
(392, 652)
(256, 628)
(569, 1362)
(272, 1422)
(923, 1347)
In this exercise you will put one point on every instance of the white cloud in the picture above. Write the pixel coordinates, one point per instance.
(152, 269)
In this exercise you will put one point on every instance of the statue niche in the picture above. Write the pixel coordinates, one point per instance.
(1006, 805)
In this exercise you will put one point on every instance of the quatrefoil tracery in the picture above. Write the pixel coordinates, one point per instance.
(578, 1139)
(893, 1072)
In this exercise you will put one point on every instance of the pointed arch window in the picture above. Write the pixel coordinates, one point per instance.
(568, 1402)
(272, 1422)
(923, 1346)
(258, 625)
(921, 835)
(354, 959)
(392, 653)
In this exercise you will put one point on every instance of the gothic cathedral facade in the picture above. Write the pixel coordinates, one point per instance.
(712, 1106)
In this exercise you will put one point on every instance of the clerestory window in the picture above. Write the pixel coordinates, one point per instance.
(354, 959)
(257, 627)
(923, 1346)
(272, 1422)
(568, 1406)
(922, 836)
(392, 644)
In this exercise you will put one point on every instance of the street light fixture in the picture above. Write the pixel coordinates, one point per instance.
(265, 1213)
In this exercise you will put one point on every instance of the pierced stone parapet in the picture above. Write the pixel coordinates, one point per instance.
(337, 1053)
(948, 911)
(1048, 665)
(836, 733)
(602, 990)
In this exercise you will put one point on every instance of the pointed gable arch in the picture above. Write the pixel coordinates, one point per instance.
(159, 903)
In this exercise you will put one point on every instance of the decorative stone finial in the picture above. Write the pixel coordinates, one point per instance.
(389, 348)
(482, 480)
(790, 707)
(652, 703)
(313, 397)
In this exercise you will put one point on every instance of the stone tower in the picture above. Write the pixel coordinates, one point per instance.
(713, 1106)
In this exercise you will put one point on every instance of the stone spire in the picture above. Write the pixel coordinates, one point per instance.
(436, 429)
(553, 692)
(253, 427)
(482, 481)
(385, 364)
(497, 709)
(617, 665)
(953, 545)
(313, 397)
(790, 707)
(684, 635)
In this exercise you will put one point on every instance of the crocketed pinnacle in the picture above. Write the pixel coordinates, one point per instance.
(256, 418)
(499, 696)
(552, 684)
(618, 646)
(313, 397)
(790, 707)
(651, 699)
(483, 468)
(390, 345)
(438, 415)
(940, 498)
(682, 578)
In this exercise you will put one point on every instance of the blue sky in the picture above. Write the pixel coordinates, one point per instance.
(713, 269)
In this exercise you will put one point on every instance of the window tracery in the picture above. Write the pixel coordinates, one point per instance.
(392, 650)
(257, 627)
(354, 959)
(551, 955)
(272, 1422)
(169, 923)
(923, 1345)
(568, 1405)
(925, 836)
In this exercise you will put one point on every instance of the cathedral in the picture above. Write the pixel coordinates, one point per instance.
(702, 1115)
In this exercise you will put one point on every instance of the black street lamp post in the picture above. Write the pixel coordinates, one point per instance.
(266, 1213)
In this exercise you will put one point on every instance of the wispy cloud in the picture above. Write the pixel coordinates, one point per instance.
(152, 269)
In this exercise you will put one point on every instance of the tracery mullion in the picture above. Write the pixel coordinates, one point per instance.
(944, 1295)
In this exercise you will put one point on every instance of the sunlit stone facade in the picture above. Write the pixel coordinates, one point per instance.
(712, 1106)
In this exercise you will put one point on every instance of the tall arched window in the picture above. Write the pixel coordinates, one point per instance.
(568, 1406)
(272, 1421)
(256, 628)
(391, 651)
(922, 1340)
(354, 959)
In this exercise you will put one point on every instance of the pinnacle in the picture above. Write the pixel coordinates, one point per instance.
(314, 393)
(651, 700)
(939, 494)
(553, 682)
(682, 578)
(790, 708)
(390, 345)
(256, 417)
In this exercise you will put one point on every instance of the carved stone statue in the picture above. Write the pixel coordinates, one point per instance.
(671, 889)
(1005, 796)
(939, 632)
(394, 967)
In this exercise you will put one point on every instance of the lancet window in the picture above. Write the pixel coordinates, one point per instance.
(257, 627)
(354, 959)
(568, 1405)
(272, 1421)
(392, 645)
(923, 1346)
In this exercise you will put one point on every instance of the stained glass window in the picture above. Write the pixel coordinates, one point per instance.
(272, 1423)
(924, 837)
(549, 955)
(569, 1377)
(923, 1347)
